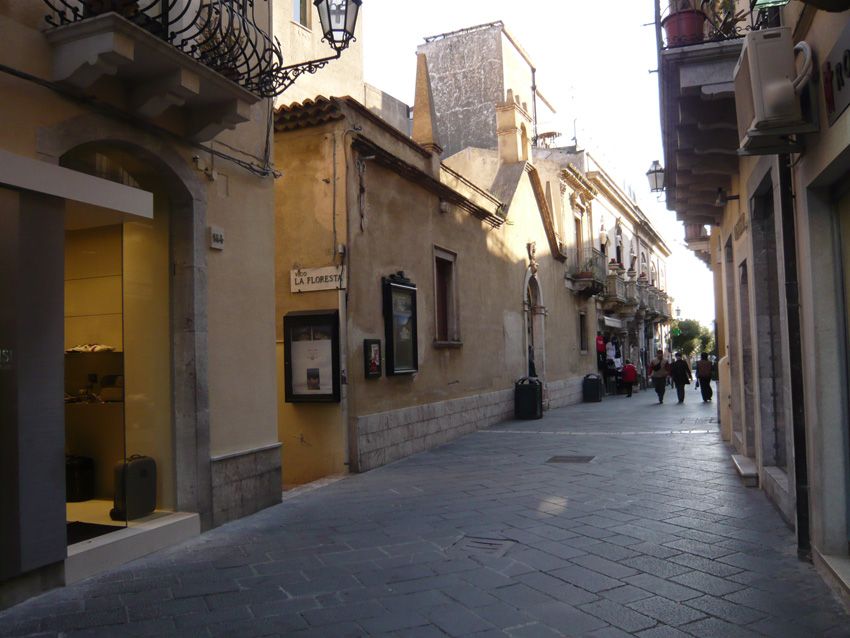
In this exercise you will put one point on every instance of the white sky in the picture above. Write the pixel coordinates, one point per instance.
(593, 61)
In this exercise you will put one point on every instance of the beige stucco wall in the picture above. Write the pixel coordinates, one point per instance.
(340, 77)
(516, 73)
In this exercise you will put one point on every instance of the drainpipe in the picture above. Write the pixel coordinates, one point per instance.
(798, 414)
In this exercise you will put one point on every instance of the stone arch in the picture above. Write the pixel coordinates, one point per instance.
(535, 326)
(188, 295)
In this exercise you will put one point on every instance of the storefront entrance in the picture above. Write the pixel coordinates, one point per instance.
(119, 462)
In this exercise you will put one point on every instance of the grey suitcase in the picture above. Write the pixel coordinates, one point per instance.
(135, 488)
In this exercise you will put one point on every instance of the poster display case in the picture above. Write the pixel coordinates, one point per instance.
(400, 325)
(311, 356)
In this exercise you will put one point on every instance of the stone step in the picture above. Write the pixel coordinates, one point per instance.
(746, 469)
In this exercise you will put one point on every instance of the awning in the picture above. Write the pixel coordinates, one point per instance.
(611, 322)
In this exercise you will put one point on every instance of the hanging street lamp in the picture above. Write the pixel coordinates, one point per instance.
(338, 18)
(655, 175)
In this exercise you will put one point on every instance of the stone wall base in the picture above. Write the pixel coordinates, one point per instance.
(565, 392)
(385, 437)
(245, 482)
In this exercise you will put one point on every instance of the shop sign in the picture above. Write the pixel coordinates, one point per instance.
(836, 77)
(740, 225)
(312, 279)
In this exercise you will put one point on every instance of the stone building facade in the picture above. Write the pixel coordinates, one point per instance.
(771, 221)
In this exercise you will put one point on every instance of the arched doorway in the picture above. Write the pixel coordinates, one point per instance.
(535, 314)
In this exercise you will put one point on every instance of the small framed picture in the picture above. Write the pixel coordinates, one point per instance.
(311, 356)
(372, 366)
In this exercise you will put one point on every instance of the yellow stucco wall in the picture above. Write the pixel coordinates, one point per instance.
(312, 435)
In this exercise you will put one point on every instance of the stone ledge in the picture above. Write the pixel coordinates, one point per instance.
(775, 484)
(836, 572)
(747, 470)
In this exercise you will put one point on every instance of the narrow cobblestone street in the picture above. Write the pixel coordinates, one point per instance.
(501, 533)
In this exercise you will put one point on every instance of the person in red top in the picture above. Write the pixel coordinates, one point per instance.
(629, 376)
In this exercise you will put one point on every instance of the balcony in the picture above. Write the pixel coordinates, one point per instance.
(588, 278)
(615, 291)
(651, 309)
(207, 58)
(697, 57)
(698, 239)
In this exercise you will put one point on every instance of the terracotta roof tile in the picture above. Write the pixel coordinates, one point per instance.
(307, 113)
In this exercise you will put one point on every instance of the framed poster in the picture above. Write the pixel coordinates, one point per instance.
(372, 358)
(400, 325)
(311, 356)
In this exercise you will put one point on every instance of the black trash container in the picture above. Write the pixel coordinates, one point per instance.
(79, 479)
(528, 399)
(592, 388)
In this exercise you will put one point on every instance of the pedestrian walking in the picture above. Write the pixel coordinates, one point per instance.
(680, 371)
(658, 372)
(628, 376)
(704, 373)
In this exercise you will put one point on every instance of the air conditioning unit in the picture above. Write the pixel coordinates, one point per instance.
(772, 99)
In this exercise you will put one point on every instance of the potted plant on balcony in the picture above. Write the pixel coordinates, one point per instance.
(723, 19)
(684, 23)
(126, 8)
(585, 270)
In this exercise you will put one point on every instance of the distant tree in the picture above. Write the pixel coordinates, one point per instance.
(685, 336)
(706, 340)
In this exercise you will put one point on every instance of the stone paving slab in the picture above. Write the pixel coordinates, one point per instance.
(654, 537)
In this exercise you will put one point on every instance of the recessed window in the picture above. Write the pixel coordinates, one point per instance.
(582, 332)
(445, 297)
(301, 12)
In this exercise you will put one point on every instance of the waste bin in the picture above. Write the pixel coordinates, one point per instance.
(528, 399)
(592, 388)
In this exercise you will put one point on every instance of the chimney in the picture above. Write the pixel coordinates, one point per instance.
(513, 127)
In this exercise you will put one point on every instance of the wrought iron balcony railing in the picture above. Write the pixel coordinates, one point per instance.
(688, 22)
(221, 34)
